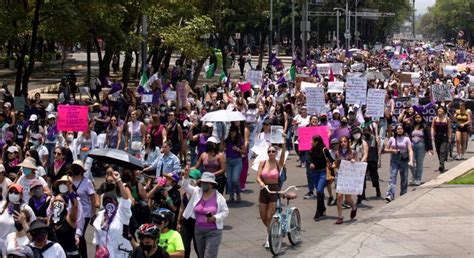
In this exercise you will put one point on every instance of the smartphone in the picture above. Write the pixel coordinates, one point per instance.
(16, 207)
(208, 215)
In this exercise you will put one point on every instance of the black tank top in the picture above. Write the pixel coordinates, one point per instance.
(65, 235)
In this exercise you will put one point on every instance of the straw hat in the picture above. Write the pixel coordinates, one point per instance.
(29, 162)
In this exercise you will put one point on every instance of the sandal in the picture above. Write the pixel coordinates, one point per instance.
(339, 221)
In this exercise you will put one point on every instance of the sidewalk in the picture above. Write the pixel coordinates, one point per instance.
(436, 220)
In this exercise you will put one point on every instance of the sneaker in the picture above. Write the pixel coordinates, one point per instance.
(388, 198)
(267, 244)
(330, 200)
(354, 213)
(309, 195)
(333, 202)
(345, 205)
(339, 221)
(417, 183)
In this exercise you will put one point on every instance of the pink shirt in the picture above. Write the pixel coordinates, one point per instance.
(202, 208)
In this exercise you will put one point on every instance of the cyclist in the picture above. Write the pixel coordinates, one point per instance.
(148, 234)
(170, 240)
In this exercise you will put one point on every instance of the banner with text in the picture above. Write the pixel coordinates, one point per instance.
(73, 118)
(351, 177)
(305, 136)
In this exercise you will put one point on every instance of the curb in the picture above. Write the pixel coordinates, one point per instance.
(451, 174)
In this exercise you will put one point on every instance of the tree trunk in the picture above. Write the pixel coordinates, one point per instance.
(97, 48)
(104, 66)
(166, 61)
(157, 57)
(20, 63)
(263, 37)
(34, 36)
(127, 64)
(137, 63)
(89, 49)
(197, 72)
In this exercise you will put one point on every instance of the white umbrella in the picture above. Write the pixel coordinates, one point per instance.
(223, 116)
(388, 48)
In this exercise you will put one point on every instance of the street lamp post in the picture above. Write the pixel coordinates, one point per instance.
(293, 28)
(347, 34)
(271, 32)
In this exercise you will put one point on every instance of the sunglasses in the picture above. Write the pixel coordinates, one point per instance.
(11, 152)
(113, 120)
(170, 115)
(271, 151)
(58, 153)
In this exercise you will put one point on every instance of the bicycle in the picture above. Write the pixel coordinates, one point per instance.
(284, 222)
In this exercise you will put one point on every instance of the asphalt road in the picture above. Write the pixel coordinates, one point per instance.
(244, 233)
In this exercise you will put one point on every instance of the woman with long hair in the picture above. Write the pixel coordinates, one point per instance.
(268, 175)
(234, 149)
(401, 150)
(135, 134)
(60, 167)
(150, 152)
(318, 159)
(421, 140)
(345, 153)
(113, 133)
(361, 149)
(441, 134)
(212, 160)
(463, 122)
(157, 130)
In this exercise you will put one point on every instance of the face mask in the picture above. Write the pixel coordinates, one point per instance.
(146, 248)
(357, 136)
(205, 187)
(343, 123)
(146, 120)
(38, 192)
(63, 188)
(35, 143)
(27, 171)
(14, 198)
(126, 178)
(70, 138)
(39, 237)
(162, 109)
(109, 187)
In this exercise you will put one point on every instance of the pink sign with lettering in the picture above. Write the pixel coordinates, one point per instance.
(244, 87)
(73, 118)
(305, 136)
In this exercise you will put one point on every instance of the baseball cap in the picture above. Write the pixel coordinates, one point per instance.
(213, 139)
(33, 118)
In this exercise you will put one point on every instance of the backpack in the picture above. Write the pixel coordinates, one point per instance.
(38, 252)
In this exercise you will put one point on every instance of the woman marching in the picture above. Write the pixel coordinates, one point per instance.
(421, 141)
(440, 133)
(463, 119)
(318, 159)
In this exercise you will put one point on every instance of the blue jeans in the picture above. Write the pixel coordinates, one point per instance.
(309, 178)
(194, 156)
(396, 164)
(419, 155)
(319, 179)
(234, 168)
(289, 136)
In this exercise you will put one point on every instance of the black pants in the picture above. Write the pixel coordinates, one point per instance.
(441, 144)
(372, 168)
(187, 234)
(82, 240)
(221, 182)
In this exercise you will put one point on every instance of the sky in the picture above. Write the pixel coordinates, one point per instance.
(421, 6)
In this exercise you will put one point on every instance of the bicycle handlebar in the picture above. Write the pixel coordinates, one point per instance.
(280, 192)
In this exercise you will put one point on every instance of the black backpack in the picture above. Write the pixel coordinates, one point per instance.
(38, 252)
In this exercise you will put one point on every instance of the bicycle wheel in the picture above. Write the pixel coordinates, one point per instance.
(275, 236)
(294, 232)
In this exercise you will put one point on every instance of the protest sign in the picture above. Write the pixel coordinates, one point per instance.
(19, 103)
(376, 103)
(405, 77)
(305, 85)
(358, 67)
(171, 95)
(356, 91)
(400, 104)
(315, 100)
(336, 68)
(73, 118)
(244, 87)
(335, 87)
(450, 70)
(147, 98)
(276, 135)
(302, 78)
(254, 77)
(260, 147)
(429, 114)
(395, 64)
(323, 68)
(351, 177)
(441, 92)
(305, 136)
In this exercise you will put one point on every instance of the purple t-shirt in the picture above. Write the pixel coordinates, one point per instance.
(229, 152)
(202, 142)
(402, 143)
(202, 208)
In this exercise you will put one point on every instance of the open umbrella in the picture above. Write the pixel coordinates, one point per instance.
(116, 157)
(223, 116)
(387, 48)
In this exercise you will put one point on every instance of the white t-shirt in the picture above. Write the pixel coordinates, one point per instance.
(25, 183)
(16, 244)
(4, 187)
(7, 224)
(40, 171)
(55, 251)
(84, 190)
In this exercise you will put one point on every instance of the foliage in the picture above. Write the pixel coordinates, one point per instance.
(467, 179)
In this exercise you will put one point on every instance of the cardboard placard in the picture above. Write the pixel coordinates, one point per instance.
(305, 136)
(441, 92)
(376, 105)
(351, 177)
(356, 92)
(73, 118)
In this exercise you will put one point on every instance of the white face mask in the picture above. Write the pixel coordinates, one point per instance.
(14, 198)
(70, 138)
(63, 188)
(357, 136)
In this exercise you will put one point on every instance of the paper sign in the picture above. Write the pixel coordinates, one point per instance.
(323, 68)
(405, 77)
(351, 177)
(376, 103)
(358, 67)
(254, 77)
(305, 136)
(171, 95)
(315, 100)
(305, 85)
(276, 135)
(260, 147)
(356, 91)
(147, 98)
(19, 103)
(336, 68)
(73, 118)
(335, 87)
(244, 87)
(450, 70)
(441, 92)
(395, 64)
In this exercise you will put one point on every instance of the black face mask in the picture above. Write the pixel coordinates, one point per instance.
(9, 142)
(76, 172)
(323, 120)
(18, 226)
(126, 178)
(146, 248)
(343, 123)
(367, 135)
(109, 187)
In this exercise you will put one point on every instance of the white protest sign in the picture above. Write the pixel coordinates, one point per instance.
(358, 67)
(264, 157)
(335, 87)
(323, 68)
(305, 85)
(315, 101)
(260, 147)
(171, 95)
(450, 70)
(276, 135)
(395, 64)
(356, 91)
(376, 103)
(351, 177)
(254, 77)
(441, 92)
(147, 98)
(336, 68)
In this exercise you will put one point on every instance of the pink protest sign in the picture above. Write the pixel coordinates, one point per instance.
(244, 87)
(73, 118)
(305, 136)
